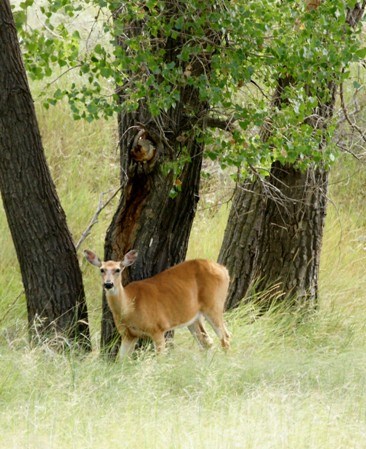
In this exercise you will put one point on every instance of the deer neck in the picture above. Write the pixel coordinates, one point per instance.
(119, 302)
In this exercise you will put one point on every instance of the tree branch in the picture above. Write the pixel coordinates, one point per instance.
(353, 125)
(226, 125)
(94, 219)
(10, 307)
(260, 89)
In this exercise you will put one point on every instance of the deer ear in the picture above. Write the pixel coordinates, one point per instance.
(130, 258)
(92, 258)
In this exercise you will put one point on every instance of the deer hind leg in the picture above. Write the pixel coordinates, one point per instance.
(200, 334)
(217, 322)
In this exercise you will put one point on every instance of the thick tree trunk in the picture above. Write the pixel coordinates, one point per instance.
(47, 257)
(274, 234)
(289, 250)
(242, 234)
(282, 238)
(281, 223)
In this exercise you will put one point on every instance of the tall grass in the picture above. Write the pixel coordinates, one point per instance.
(285, 383)
(288, 381)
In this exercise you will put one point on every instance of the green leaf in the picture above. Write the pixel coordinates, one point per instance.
(361, 53)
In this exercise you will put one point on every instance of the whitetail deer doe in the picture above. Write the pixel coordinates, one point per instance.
(179, 296)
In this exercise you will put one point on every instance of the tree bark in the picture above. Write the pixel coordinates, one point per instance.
(289, 250)
(273, 237)
(47, 257)
(242, 234)
(282, 231)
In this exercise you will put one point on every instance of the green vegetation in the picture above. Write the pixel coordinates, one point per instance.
(283, 385)
(287, 382)
(222, 50)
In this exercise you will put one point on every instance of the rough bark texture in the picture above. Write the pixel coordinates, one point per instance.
(148, 218)
(283, 231)
(290, 245)
(47, 257)
(274, 234)
(242, 234)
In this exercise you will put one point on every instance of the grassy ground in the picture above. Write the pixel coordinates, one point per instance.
(288, 381)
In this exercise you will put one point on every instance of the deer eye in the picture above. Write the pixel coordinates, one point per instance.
(102, 270)
(117, 270)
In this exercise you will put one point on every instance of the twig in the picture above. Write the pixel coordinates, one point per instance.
(94, 219)
(11, 306)
(346, 150)
(261, 90)
(345, 112)
(226, 125)
(60, 76)
(92, 28)
(357, 110)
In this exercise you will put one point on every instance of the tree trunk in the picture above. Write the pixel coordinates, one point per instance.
(282, 231)
(289, 251)
(47, 257)
(274, 234)
(292, 232)
(242, 234)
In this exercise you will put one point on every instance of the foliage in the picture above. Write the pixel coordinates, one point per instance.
(253, 44)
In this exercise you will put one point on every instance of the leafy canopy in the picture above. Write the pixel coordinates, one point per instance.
(126, 52)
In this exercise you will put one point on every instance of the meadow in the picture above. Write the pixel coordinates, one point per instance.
(289, 380)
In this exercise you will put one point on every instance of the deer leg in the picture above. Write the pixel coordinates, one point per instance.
(219, 327)
(200, 334)
(159, 342)
(127, 346)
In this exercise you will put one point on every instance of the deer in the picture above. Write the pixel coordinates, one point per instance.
(177, 297)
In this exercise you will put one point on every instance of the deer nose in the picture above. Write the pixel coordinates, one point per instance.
(108, 285)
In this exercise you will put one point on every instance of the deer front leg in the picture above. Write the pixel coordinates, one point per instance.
(159, 342)
(127, 346)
